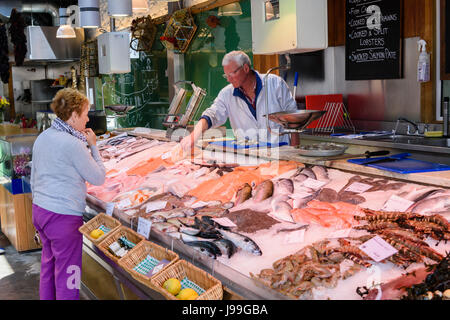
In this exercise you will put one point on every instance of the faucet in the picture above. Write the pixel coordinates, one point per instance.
(408, 132)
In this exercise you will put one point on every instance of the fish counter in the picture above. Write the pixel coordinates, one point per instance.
(279, 229)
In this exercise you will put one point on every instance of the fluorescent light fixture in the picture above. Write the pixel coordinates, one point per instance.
(65, 31)
(232, 9)
(140, 5)
(89, 13)
(120, 8)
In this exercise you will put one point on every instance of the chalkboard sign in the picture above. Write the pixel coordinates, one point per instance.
(373, 47)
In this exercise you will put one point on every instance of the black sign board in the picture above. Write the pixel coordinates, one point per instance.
(373, 47)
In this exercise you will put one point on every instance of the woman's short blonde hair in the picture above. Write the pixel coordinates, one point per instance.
(66, 101)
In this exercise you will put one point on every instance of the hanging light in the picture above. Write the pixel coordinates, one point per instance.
(120, 8)
(65, 30)
(89, 13)
(232, 9)
(140, 5)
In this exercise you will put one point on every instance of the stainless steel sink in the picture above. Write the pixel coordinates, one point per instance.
(413, 139)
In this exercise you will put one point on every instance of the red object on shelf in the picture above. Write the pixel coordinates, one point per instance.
(317, 102)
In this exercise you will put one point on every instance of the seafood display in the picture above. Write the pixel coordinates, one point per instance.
(294, 228)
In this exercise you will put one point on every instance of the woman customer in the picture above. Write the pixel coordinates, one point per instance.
(62, 163)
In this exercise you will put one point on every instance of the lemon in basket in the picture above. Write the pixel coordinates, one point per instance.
(187, 294)
(97, 233)
(172, 285)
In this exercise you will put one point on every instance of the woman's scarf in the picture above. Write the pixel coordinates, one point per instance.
(63, 126)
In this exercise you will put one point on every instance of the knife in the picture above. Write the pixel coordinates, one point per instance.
(394, 157)
(366, 154)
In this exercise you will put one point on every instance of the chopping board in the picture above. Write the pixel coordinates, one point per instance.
(232, 144)
(403, 166)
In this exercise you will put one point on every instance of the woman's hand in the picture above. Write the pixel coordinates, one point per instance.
(90, 136)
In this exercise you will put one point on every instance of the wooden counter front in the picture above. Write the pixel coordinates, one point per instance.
(16, 221)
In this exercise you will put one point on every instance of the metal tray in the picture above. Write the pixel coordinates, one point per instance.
(325, 149)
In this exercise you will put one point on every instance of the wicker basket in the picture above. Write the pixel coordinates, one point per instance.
(130, 234)
(181, 269)
(139, 253)
(97, 221)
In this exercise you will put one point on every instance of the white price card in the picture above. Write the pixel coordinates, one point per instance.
(224, 222)
(295, 237)
(358, 187)
(110, 208)
(396, 203)
(166, 155)
(144, 227)
(343, 233)
(313, 183)
(124, 203)
(378, 249)
(155, 205)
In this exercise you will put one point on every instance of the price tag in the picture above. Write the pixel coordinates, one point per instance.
(166, 155)
(378, 249)
(155, 205)
(358, 187)
(144, 227)
(224, 222)
(295, 237)
(124, 203)
(110, 208)
(396, 203)
(343, 233)
(313, 183)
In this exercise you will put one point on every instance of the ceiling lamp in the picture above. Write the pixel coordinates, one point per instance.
(65, 30)
(120, 8)
(89, 13)
(232, 9)
(140, 5)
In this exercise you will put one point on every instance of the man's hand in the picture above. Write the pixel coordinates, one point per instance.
(187, 143)
(90, 137)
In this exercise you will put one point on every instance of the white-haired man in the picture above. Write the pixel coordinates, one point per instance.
(243, 102)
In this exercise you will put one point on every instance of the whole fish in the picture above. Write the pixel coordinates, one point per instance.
(241, 241)
(300, 177)
(175, 222)
(189, 230)
(170, 214)
(263, 191)
(431, 205)
(283, 186)
(228, 248)
(165, 227)
(281, 209)
(212, 223)
(321, 173)
(309, 173)
(205, 247)
(244, 193)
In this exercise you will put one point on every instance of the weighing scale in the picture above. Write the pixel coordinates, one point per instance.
(175, 119)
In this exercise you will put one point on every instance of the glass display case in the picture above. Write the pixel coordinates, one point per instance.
(15, 158)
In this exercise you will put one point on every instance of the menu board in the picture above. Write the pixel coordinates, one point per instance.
(373, 47)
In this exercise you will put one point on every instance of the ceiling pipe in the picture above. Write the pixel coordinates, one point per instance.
(33, 7)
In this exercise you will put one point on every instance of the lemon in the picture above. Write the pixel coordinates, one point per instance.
(187, 294)
(97, 233)
(172, 285)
